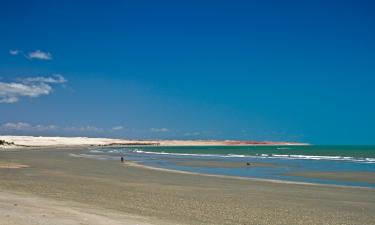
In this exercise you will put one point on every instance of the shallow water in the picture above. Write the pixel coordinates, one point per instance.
(278, 162)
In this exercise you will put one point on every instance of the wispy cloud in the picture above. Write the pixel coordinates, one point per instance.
(21, 126)
(38, 54)
(32, 87)
(14, 52)
(15, 126)
(12, 92)
(54, 79)
(46, 127)
(91, 129)
(24, 127)
(84, 129)
(117, 128)
(158, 130)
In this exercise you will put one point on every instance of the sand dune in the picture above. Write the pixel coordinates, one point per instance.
(30, 141)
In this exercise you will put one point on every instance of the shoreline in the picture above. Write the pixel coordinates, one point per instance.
(135, 164)
(138, 165)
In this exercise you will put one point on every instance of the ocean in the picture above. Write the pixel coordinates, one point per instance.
(334, 165)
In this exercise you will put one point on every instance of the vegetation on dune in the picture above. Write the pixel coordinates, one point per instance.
(3, 142)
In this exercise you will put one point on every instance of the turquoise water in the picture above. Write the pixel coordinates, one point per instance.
(288, 159)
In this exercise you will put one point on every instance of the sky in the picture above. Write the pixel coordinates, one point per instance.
(249, 70)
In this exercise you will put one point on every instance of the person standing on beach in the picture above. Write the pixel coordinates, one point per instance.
(122, 159)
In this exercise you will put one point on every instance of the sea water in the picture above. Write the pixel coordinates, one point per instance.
(283, 161)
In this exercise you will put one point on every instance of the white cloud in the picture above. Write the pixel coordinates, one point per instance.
(46, 127)
(16, 126)
(117, 128)
(24, 128)
(14, 52)
(29, 128)
(54, 79)
(83, 129)
(38, 54)
(91, 128)
(32, 87)
(21, 126)
(9, 99)
(11, 92)
(159, 129)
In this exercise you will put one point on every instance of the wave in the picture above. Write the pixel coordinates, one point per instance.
(270, 156)
(318, 157)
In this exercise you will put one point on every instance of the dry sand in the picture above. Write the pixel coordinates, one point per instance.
(10, 165)
(30, 141)
(118, 193)
(23, 141)
(26, 209)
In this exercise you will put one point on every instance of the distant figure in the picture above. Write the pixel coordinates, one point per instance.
(247, 164)
(122, 159)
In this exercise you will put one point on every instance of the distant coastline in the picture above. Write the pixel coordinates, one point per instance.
(32, 141)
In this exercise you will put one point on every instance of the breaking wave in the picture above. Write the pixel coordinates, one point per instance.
(275, 156)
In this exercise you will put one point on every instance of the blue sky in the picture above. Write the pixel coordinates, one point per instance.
(263, 70)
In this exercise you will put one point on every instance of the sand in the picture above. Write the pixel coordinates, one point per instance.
(30, 141)
(141, 195)
(10, 165)
(21, 208)
(367, 177)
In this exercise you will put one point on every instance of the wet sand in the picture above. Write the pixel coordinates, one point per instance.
(367, 177)
(139, 194)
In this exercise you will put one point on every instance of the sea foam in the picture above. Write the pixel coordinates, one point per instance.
(277, 156)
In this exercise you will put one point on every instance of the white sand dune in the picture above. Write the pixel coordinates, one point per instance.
(59, 141)
(31, 141)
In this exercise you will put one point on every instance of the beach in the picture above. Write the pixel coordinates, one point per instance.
(187, 112)
(109, 192)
